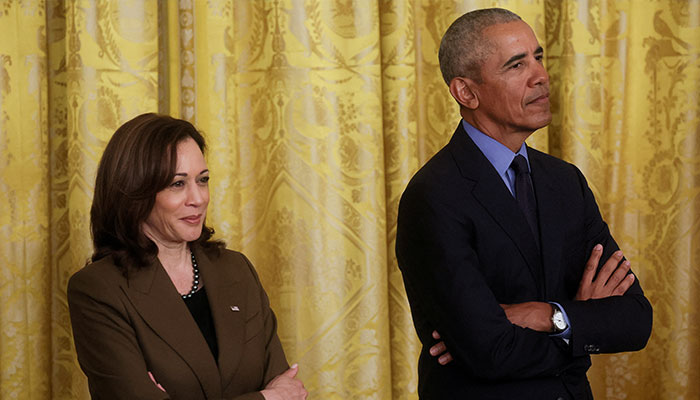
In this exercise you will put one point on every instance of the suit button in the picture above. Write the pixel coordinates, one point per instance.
(560, 398)
(591, 348)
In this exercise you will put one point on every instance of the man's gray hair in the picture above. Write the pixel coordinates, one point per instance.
(463, 48)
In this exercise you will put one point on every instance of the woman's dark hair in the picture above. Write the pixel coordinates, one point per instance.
(138, 162)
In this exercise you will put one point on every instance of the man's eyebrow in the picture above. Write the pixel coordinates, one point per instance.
(514, 58)
(520, 56)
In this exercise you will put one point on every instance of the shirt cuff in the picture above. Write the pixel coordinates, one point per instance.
(566, 335)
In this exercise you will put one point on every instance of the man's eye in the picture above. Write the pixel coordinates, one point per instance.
(516, 65)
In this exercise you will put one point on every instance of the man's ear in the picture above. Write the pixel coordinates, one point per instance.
(462, 89)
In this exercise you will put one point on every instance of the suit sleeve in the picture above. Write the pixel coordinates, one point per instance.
(105, 342)
(435, 247)
(613, 324)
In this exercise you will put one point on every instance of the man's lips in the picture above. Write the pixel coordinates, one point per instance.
(539, 99)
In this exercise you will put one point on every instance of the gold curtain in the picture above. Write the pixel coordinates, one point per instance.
(317, 113)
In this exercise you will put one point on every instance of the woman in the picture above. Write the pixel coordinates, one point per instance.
(163, 311)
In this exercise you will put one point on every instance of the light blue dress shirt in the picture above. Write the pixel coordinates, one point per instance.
(501, 157)
(498, 154)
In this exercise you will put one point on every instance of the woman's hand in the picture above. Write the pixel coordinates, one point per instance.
(150, 375)
(285, 386)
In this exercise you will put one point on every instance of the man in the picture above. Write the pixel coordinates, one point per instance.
(502, 248)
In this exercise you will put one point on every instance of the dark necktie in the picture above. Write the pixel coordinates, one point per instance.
(525, 195)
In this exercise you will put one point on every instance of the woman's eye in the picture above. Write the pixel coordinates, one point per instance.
(177, 184)
(204, 179)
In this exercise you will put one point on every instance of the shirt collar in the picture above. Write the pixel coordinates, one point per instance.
(496, 152)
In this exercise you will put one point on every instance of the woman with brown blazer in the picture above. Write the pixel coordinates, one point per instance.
(163, 311)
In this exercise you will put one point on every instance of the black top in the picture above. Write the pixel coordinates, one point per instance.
(198, 305)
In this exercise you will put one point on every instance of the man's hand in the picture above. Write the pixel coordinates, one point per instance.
(285, 386)
(535, 315)
(440, 350)
(612, 280)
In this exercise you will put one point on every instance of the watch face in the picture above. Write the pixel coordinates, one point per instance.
(558, 320)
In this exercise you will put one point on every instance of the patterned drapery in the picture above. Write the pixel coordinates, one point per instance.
(317, 113)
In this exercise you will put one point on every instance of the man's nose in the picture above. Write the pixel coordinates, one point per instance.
(539, 75)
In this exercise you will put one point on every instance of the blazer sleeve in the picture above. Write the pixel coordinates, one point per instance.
(105, 341)
(275, 360)
(612, 324)
(435, 247)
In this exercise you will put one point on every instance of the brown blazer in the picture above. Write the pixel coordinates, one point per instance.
(125, 327)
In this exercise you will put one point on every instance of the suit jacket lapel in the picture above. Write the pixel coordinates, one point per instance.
(551, 213)
(226, 294)
(157, 301)
(490, 191)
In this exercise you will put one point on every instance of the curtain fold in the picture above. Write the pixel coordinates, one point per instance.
(25, 350)
(398, 26)
(317, 113)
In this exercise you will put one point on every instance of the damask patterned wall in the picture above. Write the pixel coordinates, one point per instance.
(317, 113)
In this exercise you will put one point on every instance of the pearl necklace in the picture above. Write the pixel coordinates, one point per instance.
(195, 280)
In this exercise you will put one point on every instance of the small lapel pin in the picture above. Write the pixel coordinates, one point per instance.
(235, 308)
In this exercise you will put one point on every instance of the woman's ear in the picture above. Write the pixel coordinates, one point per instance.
(462, 89)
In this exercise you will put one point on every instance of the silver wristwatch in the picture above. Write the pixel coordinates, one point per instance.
(558, 323)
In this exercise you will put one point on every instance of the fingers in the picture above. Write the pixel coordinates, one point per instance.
(158, 385)
(609, 267)
(292, 371)
(624, 285)
(585, 287)
(441, 350)
(592, 264)
(445, 359)
(438, 349)
(613, 278)
(619, 275)
(285, 386)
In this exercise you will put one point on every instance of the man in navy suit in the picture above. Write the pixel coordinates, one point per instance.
(502, 248)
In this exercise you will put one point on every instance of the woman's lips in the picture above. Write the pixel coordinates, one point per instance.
(192, 219)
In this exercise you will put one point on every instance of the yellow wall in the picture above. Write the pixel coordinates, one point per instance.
(317, 113)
